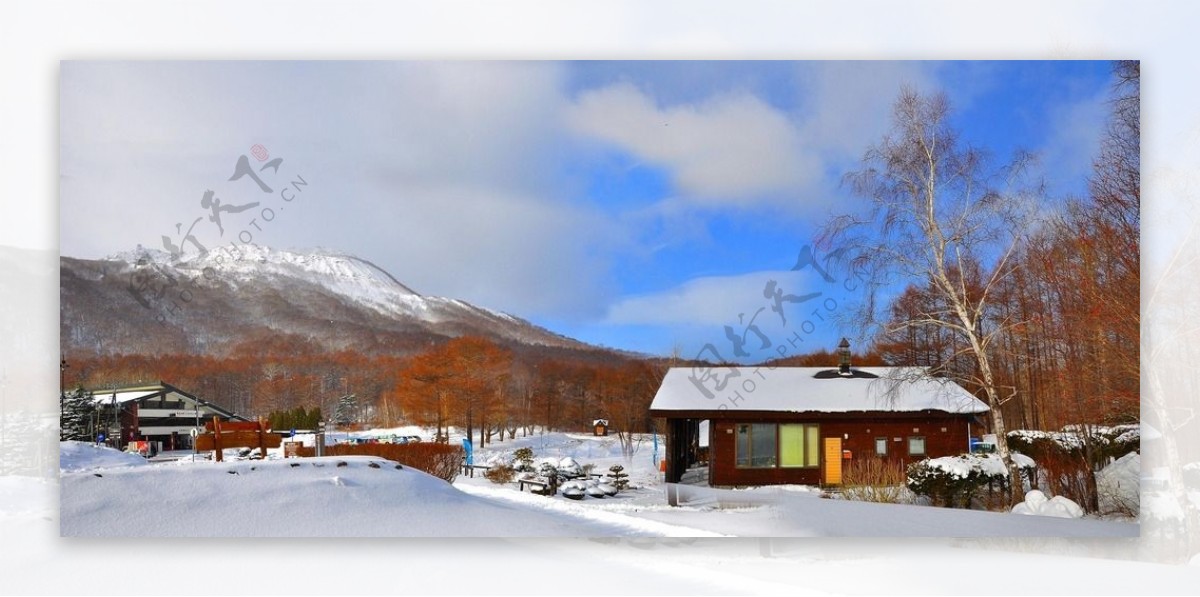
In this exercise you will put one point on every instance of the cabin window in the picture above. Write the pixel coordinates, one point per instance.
(756, 445)
(767, 445)
(799, 445)
(881, 446)
(916, 445)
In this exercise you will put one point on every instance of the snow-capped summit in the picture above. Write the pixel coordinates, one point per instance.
(217, 299)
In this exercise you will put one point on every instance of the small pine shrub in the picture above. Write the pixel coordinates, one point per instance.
(617, 477)
(523, 460)
(500, 474)
(547, 470)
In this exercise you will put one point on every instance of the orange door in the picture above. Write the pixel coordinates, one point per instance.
(833, 461)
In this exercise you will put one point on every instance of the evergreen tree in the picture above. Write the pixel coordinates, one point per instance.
(75, 420)
(617, 477)
(346, 410)
(523, 460)
(312, 418)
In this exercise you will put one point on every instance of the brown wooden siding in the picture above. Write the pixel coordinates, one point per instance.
(858, 438)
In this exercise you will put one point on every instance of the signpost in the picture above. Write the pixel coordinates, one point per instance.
(233, 434)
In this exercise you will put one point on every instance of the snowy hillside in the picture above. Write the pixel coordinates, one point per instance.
(205, 303)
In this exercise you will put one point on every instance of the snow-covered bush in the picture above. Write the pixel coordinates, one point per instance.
(953, 481)
(548, 471)
(1036, 504)
(1107, 442)
(1069, 459)
(574, 490)
(874, 480)
(1117, 486)
(569, 468)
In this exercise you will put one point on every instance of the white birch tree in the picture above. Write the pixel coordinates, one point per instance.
(941, 220)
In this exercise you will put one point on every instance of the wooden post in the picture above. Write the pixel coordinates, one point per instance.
(674, 452)
(217, 439)
(262, 438)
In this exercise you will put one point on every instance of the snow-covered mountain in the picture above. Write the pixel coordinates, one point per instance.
(147, 301)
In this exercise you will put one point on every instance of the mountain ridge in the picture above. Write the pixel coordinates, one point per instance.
(148, 301)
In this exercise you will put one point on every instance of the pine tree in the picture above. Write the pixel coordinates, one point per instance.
(344, 413)
(617, 477)
(312, 419)
(523, 460)
(75, 420)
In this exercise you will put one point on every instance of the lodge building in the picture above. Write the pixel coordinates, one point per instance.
(803, 425)
(160, 413)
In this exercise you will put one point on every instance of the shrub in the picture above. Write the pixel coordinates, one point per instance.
(500, 474)
(952, 481)
(547, 470)
(523, 460)
(1068, 466)
(440, 460)
(617, 477)
(874, 480)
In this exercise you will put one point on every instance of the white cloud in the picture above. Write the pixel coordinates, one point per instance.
(1073, 141)
(714, 300)
(848, 105)
(496, 248)
(731, 148)
(443, 173)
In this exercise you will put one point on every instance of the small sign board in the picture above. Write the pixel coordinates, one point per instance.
(291, 449)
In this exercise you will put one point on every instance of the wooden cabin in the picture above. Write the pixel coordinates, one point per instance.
(803, 425)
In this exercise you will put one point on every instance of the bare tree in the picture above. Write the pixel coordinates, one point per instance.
(940, 220)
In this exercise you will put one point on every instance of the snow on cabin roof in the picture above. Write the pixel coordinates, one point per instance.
(801, 389)
(123, 396)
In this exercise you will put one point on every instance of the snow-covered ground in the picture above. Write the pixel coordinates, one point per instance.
(34, 557)
(106, 493)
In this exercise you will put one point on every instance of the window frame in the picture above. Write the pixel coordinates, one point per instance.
(747, 442)
(805, 453)
(924, 446)
(881, 441)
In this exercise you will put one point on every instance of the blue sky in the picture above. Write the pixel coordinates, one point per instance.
(639, 205)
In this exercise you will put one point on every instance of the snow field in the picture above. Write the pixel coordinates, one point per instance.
(105, 493)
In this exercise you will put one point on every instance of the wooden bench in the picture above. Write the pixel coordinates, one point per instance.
(546, 488)
(469, 469)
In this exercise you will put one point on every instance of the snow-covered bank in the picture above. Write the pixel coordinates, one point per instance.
(354, 496)
(106, 493)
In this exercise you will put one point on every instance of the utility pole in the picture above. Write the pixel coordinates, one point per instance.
(62, 383)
